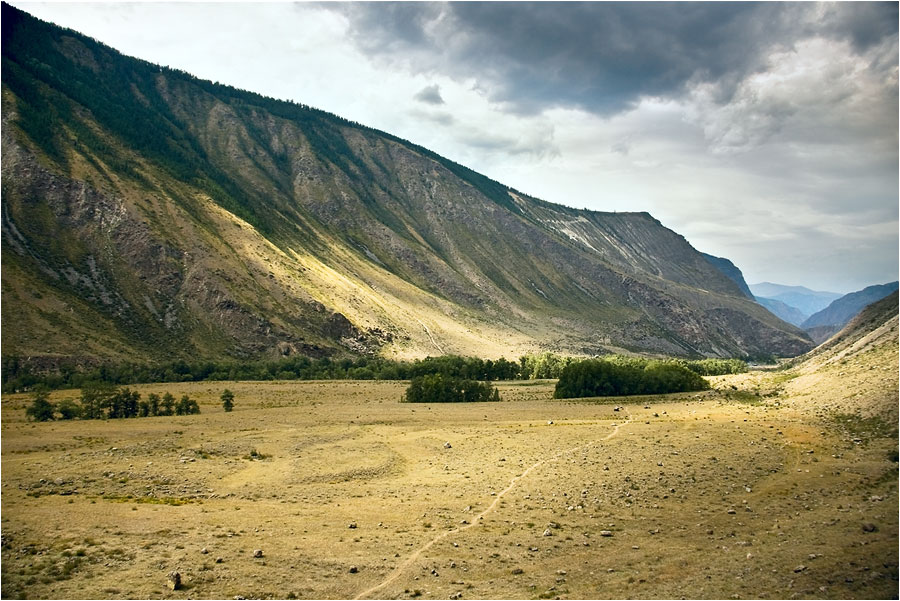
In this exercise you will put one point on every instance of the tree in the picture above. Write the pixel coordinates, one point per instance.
(40, 409)
(168, 404)
(68, 409)
(187, 406)
(95, 399)
(227, 400)
(153, 401)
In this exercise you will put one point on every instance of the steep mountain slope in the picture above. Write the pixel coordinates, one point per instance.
(149, 214)
(783, 311)
(731, 271)
(800, 297)
(832, 318)
(856, 370)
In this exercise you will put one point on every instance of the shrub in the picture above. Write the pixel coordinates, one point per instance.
(437, 388)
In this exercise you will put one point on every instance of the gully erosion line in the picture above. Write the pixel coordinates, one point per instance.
(512, 483)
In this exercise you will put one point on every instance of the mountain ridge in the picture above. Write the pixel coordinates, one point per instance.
(149, 213)
(842, 310)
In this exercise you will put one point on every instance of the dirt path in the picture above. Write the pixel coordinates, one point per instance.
(512, 483)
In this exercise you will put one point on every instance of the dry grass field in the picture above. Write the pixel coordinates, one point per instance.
(744, 491)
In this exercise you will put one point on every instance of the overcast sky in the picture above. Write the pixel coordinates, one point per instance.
(765, 133)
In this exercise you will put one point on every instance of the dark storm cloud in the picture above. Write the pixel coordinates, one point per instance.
(602, 57)
(430, 95)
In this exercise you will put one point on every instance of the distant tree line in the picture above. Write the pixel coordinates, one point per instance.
(437, 388)
(623, 376)
(18, 375)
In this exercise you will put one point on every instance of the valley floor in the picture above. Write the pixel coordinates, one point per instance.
(737, 492)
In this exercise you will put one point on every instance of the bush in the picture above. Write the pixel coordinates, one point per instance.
(437, 388)
(623, 376)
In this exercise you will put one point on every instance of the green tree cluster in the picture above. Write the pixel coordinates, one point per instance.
(623, 376)
(100, 400)
(437, 388)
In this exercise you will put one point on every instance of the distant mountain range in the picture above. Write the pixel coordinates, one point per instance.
(783, 310)
(831, 319)
(831, 310)
(801, 298)
(151, 215)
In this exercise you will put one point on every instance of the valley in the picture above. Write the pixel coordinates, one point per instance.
(753, 489)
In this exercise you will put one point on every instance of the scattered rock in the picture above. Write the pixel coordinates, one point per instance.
(800, 568)
(547, 532)
(258, 553)
(447, 445)
(869, 527)
(351, 525)
(204, 550)
(550, 422)
(173, 580)
(606, 533)
(353, 569)
(219, 560)
(518, 571)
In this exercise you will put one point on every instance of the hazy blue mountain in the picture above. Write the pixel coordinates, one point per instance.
(783, 311)
(801, 298)
(829, 320)
(731, 271)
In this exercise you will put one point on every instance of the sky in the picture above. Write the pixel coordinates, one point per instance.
(766, 133)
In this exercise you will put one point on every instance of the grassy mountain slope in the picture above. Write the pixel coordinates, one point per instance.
(149, 214)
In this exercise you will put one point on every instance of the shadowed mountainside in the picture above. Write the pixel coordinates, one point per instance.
(832, 318)
(150, 214)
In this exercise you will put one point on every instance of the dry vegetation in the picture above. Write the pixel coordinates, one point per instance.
(737, 492)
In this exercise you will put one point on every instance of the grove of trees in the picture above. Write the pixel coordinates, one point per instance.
(437, 388)
(100, 400)
(625, 376)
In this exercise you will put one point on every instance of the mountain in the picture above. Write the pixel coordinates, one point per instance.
(150, 215)
(854, 372)
(799, 297)
(833, 317)
(731, 271)
(783, 311)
